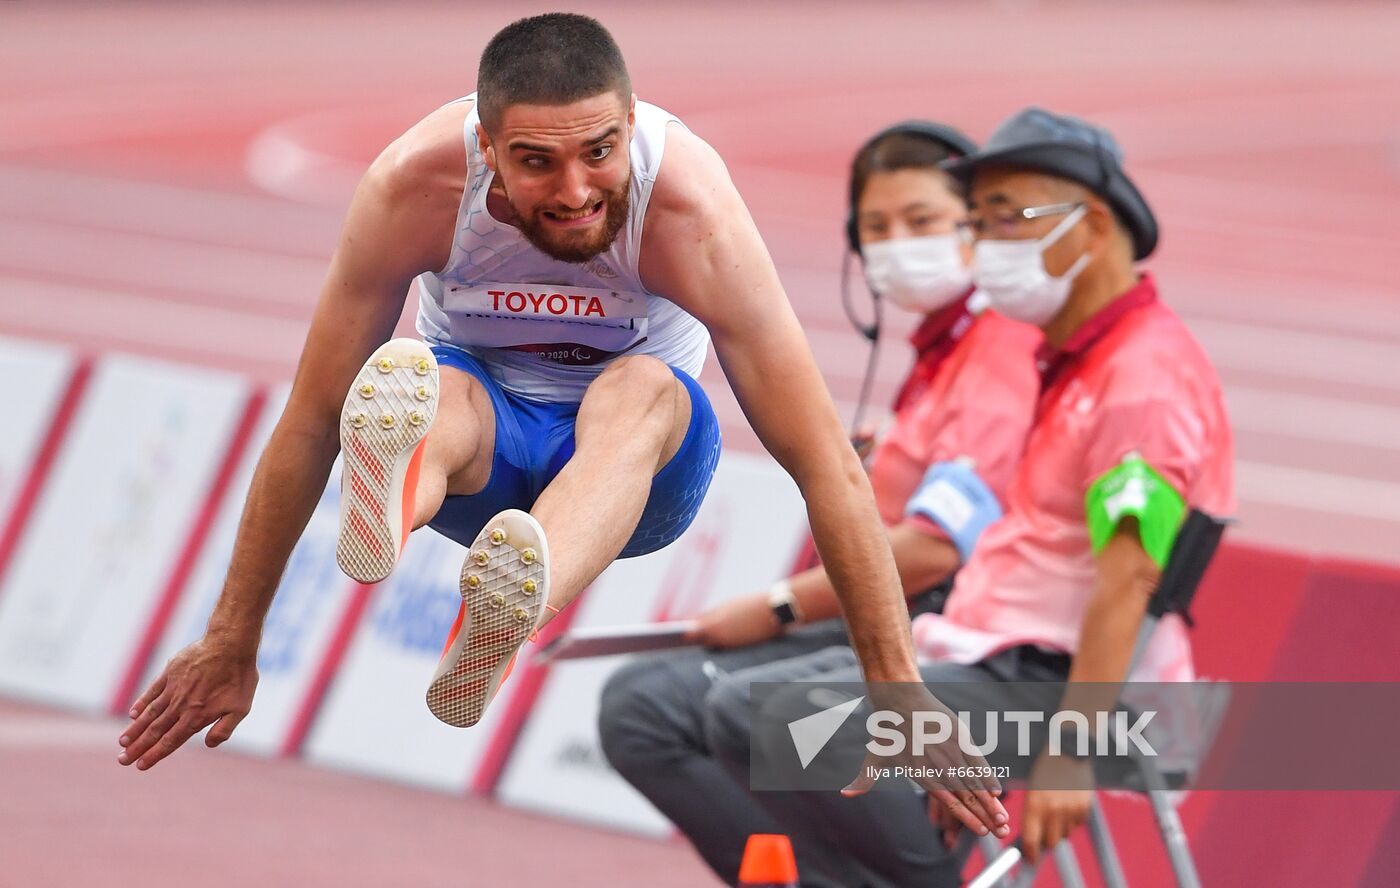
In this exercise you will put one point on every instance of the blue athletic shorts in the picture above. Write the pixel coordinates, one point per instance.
(534, 439)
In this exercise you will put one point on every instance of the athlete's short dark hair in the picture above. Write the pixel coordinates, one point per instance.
(550, 59)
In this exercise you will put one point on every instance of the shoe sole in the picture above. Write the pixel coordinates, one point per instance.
(499, 613)
(383, 428)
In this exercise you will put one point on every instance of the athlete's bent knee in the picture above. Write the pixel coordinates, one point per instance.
(638, 377)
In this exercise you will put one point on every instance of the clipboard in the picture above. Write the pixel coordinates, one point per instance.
(605, 641)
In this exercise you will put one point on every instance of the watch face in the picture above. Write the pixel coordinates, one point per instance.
(785, 613)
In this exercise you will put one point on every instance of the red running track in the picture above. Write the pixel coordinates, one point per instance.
(70, 817)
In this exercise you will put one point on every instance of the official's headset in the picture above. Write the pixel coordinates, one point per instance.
(957, 145)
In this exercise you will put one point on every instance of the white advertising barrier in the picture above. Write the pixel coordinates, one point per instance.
(744, 538)
(206, 580)
(310, 604)
(35, 376)
(132, 476)
(375, 719)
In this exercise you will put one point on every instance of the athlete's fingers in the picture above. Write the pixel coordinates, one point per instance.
(992, 805)
(864, 781)
(981, 802)
(174, 738)
(149, 737)
(151, 694)
(943, 821)
(953, 805)
(986, 809)
(950, 825)
(148, 714)
(223, 729)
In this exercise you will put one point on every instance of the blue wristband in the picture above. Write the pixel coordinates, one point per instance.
(958, 501)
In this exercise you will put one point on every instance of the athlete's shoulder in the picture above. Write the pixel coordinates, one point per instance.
(407, 201)
(430, 156)
(692, 181)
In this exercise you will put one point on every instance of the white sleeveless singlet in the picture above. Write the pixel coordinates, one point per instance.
(545, 328)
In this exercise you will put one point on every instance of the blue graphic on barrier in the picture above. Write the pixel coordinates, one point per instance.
(420, 600)
(311, 582)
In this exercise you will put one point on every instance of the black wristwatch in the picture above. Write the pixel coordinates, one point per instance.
(783, 604)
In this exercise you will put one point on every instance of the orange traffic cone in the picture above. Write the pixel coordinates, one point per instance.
(768, 863)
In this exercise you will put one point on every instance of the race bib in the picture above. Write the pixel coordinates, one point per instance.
(534, 317)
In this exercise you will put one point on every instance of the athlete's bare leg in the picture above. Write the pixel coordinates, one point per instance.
(460, 447)
(632, 421)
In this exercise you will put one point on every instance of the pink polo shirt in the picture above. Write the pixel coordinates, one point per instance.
(1131, 379)
(979, 403)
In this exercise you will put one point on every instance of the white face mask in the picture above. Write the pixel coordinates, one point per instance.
(1012, 274)
(920, 274)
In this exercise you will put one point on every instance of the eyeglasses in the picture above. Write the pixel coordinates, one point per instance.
(1006, 223)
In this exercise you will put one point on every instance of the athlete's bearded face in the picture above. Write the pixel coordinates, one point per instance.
(565, 172)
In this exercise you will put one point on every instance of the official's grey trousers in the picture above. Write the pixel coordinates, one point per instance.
(676, 726)
(883, 838)
(651, 722)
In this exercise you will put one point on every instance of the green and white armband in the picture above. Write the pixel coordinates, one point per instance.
(1134, 488)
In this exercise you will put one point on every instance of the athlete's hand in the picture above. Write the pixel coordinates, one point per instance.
(962, 783)
(945, 821)
(739, 622)
(209, 682)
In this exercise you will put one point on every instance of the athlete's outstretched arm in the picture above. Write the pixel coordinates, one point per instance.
(701, 248)
(392, 233)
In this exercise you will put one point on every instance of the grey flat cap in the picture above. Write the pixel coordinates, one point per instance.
(1073, 149)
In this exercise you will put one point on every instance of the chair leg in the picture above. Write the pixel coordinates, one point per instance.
(1068, 865)
(997, 867)
(990, 848)
(1174, 837)
(1169, 825)
(1025, 876)
(1105, 852)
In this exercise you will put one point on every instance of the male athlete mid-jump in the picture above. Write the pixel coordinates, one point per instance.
(575, 252)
